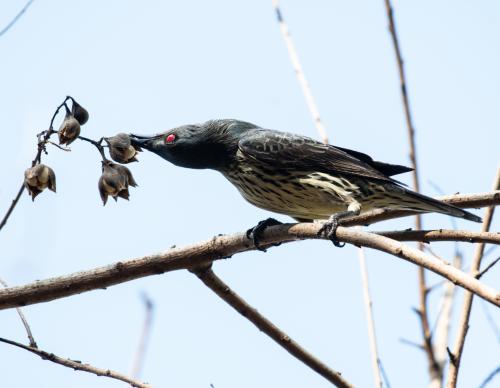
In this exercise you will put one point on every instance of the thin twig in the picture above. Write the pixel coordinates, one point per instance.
(294, 57)
(488, 267)
(97, 144)
(220, 247)
(16, 18)
(463, 324)
(442, 235)
(442, 331)
(208, 277)
(384, 374)
(23, 320)
(411, 343)
(38, 157)
(12, 206)
(490, 377)
(369, 318)
(77, 365)
(140, 354)
(435, 371)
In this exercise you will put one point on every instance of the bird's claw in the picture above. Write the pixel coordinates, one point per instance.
(255, 233)
(329, 230)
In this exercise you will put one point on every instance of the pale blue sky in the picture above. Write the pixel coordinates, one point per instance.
(147, 66)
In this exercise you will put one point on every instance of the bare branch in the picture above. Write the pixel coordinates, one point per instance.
(443, 235)
(16, 18)
(435, 371)
(208, 277)
(490, 377)
(369, 318)
(463, 201)
(294, 57)
(463, 324)
(77, 365)
(222, 247)
(442, 332)
(488, 267)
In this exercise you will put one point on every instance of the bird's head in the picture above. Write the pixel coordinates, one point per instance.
(209, 145)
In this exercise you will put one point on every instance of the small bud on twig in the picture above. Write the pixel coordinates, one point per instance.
(120, 148)
(38, 178)
(69, 129)
(114, 181)
(79, 112)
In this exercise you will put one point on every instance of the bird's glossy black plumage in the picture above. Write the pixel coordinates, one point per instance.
(291, 174)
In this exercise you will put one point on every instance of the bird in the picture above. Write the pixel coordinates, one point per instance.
(291, 174)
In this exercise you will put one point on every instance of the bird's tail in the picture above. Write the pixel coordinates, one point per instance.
(422, 203)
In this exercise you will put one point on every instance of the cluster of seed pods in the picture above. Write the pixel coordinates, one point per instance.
(115, 179)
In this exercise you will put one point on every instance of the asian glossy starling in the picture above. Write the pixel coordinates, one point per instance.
(291, 174)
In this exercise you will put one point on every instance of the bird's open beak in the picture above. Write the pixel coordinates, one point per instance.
(145, 142)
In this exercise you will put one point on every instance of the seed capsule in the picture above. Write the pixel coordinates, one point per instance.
(120, 148)
(115, 181)
(79, 113)
(38, 178)
(69, 129)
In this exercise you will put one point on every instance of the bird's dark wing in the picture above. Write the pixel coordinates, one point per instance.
(385, 168)
(294, 152)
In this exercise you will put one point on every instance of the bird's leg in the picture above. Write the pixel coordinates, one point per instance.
(329, 228)
(255, 233)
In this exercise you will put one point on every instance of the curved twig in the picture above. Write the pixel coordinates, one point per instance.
(77, 365)
(23, 320)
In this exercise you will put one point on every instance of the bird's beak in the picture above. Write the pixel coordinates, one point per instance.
(145, 142)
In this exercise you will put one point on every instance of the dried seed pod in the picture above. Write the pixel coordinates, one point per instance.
(115, 181)
(79, 112)
(38, 178)
(69, 129)
(120, 148)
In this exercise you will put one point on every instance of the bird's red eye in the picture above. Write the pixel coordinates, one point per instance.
(170, 138)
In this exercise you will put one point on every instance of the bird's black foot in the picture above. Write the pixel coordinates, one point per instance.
(255, 233)
(329, 228)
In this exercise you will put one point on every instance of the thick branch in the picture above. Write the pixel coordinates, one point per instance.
(77, 365)
(222, 247)
(208, 277)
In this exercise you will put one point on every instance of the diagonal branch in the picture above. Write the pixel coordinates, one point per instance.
(442, 235)
(212, 281)
(222, 247)
(77, 365)
(463, 325)
(16, 18)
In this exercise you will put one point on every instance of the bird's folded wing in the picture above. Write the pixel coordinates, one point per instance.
(293, 152)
